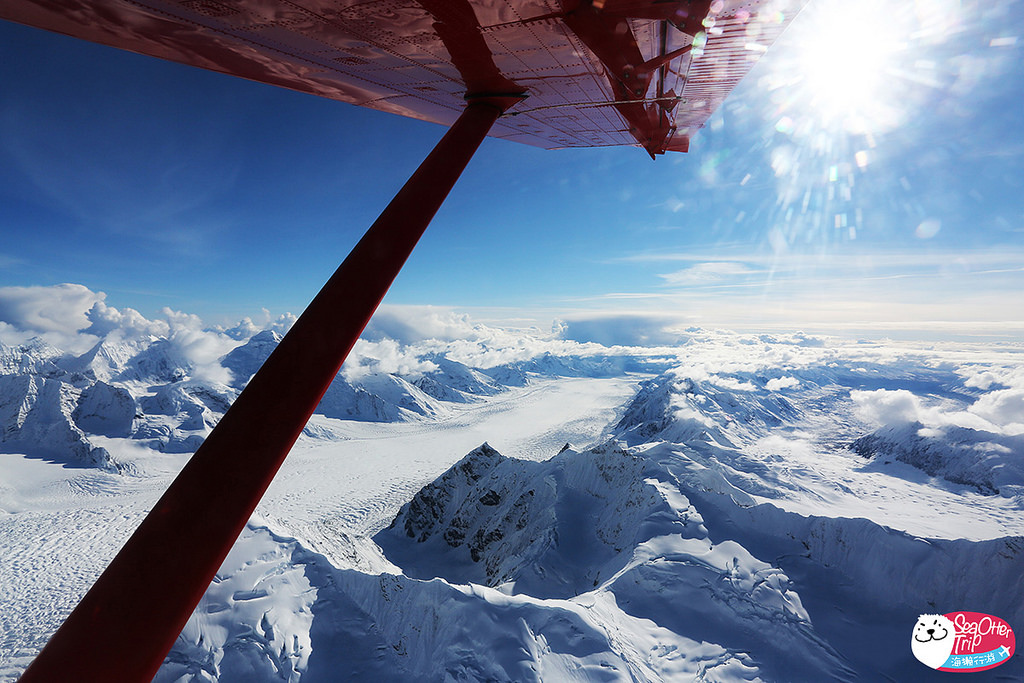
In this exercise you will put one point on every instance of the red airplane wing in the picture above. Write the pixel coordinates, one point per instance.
(617, 72)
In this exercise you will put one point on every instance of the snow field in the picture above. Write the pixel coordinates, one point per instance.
(738, 536)
(60, 525)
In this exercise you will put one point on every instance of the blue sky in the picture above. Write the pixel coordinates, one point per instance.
(894, 200)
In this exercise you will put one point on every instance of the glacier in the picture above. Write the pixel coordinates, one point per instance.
(739, 507)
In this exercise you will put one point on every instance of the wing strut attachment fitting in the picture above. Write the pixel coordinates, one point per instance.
(604, 27)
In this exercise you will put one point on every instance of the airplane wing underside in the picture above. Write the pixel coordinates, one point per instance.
(594, 73)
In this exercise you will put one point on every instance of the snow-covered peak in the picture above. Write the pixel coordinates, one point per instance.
(107, 360)
(37, 418)
(245, 360)
(161, 362)
(397, 391)
(990, 462)
(550, 529)
(604, 522)
(35, 356)
(725, 410)
(455, 382)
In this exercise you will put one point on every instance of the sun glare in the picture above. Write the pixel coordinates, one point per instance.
(849, 60)
(846, 58)
(849, 83)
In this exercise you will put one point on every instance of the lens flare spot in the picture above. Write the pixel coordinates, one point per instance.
(783, 160)
(785, 125)
(928, 229)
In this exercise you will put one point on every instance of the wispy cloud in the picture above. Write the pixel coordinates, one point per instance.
(708, 272)
(7, 261)
(163, 203)
(991, 257)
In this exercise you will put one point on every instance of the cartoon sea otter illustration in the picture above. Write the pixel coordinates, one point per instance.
(932, 641)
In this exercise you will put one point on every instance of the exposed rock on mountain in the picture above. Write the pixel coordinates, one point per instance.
(37, 418)
(990, 462)
(606, 522)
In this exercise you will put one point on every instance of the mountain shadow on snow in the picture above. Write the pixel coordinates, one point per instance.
(604, 521)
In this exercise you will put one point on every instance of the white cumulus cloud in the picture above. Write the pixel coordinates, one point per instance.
(411, 324)
(1004, 408)
(105, 320)
(59, 308)
(622, 329)
(74, 318)
(777, 383)
(387, 356)
(888, 407)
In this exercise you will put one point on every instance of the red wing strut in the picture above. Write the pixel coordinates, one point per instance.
(179, 546)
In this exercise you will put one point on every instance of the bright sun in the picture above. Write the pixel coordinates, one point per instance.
(850, 80)
(849, 54)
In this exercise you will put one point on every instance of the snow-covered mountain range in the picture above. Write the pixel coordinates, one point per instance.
(52, 403)
(740, 507)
